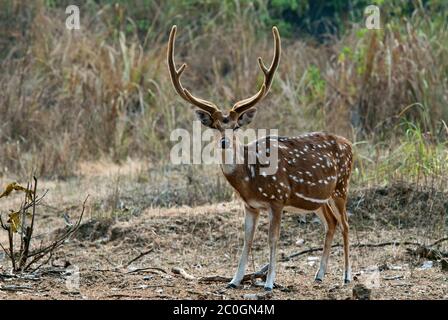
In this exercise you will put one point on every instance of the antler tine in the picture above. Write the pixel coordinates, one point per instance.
(248, 103)
(175, 75)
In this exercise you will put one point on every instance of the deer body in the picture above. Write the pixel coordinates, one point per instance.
(311, 169)
(312, 176)
(311, 173)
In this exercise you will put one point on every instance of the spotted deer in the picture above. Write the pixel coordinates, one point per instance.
(312, 171)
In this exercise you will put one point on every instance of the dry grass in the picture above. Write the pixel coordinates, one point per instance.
(104, 93)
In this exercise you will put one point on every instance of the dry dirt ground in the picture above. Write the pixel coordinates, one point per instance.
(206, 241)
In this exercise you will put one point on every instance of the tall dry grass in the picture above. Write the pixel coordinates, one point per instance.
(104, 91)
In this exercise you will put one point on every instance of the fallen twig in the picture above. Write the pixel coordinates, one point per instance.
(15, 288)
(399, 277)
(438, 242)
(260, 274)
(147, 268)
(139, 256)
(182, 273)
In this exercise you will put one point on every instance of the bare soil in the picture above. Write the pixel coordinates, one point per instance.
(206, 240)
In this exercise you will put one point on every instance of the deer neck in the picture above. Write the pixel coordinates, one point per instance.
(232, 160)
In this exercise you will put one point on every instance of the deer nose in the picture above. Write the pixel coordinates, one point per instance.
(225, 143)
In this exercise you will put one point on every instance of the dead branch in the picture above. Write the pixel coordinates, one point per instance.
(260, 274)
(5, 250)
(43, 263)
(17, 224)
(25, 240)
(15, 288)
(139, 256)
(11, 247)
(182, 273)
(147, 268)
(40, 253)
(438, 242)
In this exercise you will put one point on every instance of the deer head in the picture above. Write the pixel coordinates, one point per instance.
(242, 112)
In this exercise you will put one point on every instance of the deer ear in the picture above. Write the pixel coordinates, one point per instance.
(247, 117)
(205, 118)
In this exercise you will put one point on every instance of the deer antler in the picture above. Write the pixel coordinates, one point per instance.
(248, 103)
(175, 78)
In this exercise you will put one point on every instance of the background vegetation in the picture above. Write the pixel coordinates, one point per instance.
(103, 92)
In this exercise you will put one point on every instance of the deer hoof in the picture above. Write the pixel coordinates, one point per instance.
(231, 286)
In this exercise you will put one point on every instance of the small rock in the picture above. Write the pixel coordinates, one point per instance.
(259, 296)
(334, 288)
(383, 267)
(287, 289)
(396, 267)
(250, 296)
(361, 292)
(444, 264)
(313, 259)
(300, 242)
(426, 265)
(316, 220)
(398, 277)
(141, 286)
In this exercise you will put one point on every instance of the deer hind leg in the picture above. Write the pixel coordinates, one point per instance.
(328, 218)
(250, 224)
(275, 215)
(340, 206)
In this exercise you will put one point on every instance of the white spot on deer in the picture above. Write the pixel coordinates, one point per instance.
(252, 171)
(311, 199)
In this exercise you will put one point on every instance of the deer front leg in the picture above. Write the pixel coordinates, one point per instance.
(275, 216)
(250, 224)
